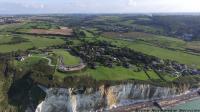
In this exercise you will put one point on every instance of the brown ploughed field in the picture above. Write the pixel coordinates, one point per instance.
(65, 31)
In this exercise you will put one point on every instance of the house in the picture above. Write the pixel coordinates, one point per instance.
(29, 55)
(23, 57)
(196, 72)
(177, 74)
(187, 37)
(20, 58)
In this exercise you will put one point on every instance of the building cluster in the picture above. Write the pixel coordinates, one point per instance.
(22, 57)
(175, 68)
(103, 53)
(9, 20)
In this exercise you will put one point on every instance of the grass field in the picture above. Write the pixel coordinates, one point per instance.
(10, 27)
(28, 62)
(87, 34)
(68, 58)
(38, 25)
(5, 38)
(153, 75)
(34, 41)
(104, 73)
(116, 73)
(155, 40)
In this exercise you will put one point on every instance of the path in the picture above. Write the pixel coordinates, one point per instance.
(66, 68)
(50, 61)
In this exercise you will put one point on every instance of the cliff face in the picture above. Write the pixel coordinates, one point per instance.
(104, 97)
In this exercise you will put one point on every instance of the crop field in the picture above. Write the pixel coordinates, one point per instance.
(62, 31)
(43, 28)
(156, 40)
(33, 41)
(195, 45)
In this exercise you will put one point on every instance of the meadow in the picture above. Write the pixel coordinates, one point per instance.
(116, 73)
(28, 62)
(67, 57)
(33, 41)
(5, 38)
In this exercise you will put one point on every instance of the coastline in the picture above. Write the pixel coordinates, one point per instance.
(162, 104)
(183, 102)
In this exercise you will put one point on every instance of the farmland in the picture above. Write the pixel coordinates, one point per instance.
(34, 41)
(144, 39)
(62, 31)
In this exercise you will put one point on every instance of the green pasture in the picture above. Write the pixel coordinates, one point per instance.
(115, 73)
(34, 41)
(28, 62)
(68, 58)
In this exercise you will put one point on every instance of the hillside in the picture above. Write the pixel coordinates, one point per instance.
(93, 51)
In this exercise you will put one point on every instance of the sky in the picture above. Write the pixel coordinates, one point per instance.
(97, 6)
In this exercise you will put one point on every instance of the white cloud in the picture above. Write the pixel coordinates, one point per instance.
(131, 3)
(98, 6)
(33, 5)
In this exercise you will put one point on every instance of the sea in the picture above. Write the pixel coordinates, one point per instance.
(190, 106)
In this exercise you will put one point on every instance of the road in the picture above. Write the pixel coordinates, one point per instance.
(50, 61)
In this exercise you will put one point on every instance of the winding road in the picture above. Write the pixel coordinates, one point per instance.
(50, 61)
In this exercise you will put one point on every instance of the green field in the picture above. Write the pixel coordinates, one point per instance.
(155, 40)
(115, 73)
(10, 27)
(5, 39)
(68, 58)
(28, 62)
(104, 73)
(37, 25)
(153, 75)
(87, 34)
(34, 41)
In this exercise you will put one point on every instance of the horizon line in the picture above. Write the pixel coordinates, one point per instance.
(135, 13)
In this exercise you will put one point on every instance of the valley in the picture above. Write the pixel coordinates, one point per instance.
(80, 59)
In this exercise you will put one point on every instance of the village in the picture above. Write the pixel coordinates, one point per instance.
(10, 20)
(106, 54)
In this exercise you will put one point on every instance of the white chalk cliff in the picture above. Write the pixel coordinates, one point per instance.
(65, 100)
